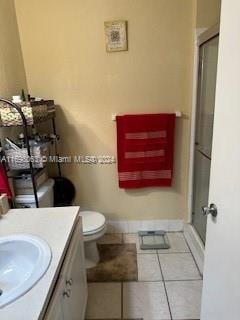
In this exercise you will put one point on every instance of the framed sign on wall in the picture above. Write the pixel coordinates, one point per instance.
(116, 35)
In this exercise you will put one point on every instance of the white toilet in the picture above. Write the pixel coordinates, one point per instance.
(94, 227)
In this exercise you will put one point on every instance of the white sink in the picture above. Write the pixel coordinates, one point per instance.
(24, 259)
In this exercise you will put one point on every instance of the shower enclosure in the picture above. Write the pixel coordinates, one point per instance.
(208, 57)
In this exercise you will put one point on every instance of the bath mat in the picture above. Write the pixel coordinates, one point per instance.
(118, 262)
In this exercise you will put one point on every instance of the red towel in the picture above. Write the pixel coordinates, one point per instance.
(4, 185)
(145, 146)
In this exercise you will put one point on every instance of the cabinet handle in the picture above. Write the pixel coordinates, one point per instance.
(69, 282)
(67, 293)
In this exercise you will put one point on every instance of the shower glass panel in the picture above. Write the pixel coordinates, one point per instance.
(204, 131)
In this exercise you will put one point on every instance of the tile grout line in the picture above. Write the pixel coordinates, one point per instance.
(121, 300)
(177, 280)
(183, 280)
(161, 252)
(193, 257)
(157, 281)
(122, 242)
(165, 289)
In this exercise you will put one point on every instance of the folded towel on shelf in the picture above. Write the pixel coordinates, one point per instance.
(145, 145)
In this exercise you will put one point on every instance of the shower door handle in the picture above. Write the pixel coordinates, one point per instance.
(212, 209)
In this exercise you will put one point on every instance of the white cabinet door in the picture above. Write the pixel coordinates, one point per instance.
(70, 296)
(74, 274)
(55, 309)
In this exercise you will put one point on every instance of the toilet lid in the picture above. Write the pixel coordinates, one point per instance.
(92, 221)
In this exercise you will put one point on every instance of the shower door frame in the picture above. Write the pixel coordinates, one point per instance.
(202, 36)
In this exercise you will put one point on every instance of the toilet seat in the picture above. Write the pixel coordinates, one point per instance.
(92, 222)
(94, 227)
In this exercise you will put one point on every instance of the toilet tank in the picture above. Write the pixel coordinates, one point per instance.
(45, 197)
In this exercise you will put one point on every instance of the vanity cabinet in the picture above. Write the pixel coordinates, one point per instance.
(69, 298)
(55, 309)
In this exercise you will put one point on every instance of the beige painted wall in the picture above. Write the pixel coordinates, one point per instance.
(12, 73)
(65, 59)
(208, 13)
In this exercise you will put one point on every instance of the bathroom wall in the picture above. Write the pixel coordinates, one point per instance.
(208, 13)
(12, 74)
(65, 58)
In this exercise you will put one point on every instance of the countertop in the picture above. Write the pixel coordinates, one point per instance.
(55, 226)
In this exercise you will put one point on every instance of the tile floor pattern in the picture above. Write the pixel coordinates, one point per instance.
(168, 288)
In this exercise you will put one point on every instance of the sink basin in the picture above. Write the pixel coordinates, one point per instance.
(24, 259)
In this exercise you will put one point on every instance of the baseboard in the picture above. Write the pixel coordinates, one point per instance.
(195, 244)
(133, 226)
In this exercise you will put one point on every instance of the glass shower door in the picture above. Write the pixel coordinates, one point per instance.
(204, 131)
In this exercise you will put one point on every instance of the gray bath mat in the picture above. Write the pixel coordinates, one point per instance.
(118, 262)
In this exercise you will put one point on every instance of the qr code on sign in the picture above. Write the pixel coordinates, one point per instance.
(115, 36)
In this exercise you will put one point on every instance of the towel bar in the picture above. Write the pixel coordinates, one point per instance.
(178, 115)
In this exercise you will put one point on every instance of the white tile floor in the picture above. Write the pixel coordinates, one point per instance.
(104, 301)
(178, 266)
(184, 299)
(145, 300)
(168, 288)
(148, 267)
